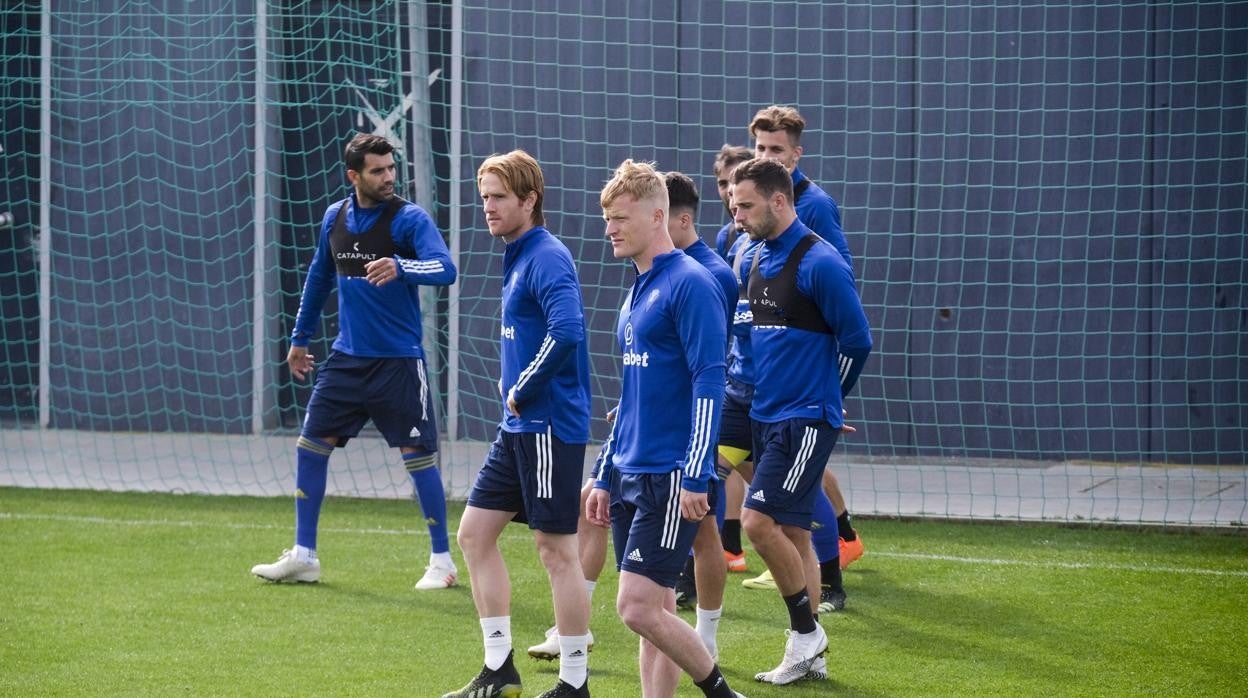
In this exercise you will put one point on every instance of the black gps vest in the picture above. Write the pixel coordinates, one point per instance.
(777, 302)
(352, 252)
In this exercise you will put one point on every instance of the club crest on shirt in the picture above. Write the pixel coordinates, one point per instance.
(650, 299)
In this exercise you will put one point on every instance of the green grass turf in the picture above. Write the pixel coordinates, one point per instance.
(145, 594)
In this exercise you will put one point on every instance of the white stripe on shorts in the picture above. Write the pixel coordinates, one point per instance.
(545, 456)
(671, 515)
(809, 436)
(424, 389)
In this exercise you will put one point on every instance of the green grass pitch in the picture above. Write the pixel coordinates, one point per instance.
(150, 595)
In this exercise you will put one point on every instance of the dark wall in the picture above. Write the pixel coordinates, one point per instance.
(1046, 204)
(151, 224)
(19, 193)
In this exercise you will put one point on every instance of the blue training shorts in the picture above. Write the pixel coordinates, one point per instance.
(535, 475)
(650, 536)
(734, 424)
(789, 458)
(393, 392)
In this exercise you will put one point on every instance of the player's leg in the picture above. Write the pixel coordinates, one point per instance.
(492, 503)
(850, 543)
(711, 576)
(591, 543)
(550, 494)
(734, 553)
(790, 458)
(648, 572)
(411, 425)
(830, 595)
(334, 408)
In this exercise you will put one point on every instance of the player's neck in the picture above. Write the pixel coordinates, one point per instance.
(661, 244)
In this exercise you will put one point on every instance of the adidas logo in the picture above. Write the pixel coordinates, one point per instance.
(496, 634)
(635, 556)
(758, 497)
(299, 494)
(577, 653)
(414, 432)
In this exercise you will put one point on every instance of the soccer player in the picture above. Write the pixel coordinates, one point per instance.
(726, 160)
(810, 338)
(733, 456)
(777, 132)
(533, 469)
(379, 249)
(592, 540)
(702, 582)
(656, 469)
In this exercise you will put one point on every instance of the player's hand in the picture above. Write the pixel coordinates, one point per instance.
(611, 414)
(693, 505)
(300, 362)
(598, 507)
(380, 272)
(845, 428)
(512, 407)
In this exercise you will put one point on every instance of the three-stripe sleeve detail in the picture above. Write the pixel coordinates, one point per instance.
(701, 438)
(421, 266)
(543, 352)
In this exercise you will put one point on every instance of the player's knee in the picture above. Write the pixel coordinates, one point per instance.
(756, 524)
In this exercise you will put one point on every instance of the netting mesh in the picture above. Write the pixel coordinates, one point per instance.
(1045, 201)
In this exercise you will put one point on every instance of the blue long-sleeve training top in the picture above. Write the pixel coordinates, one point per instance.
(544, 354)
(719, 269)
(672, 381)
(805, 373)
(740, 355)
(374, 321)
(819, 212)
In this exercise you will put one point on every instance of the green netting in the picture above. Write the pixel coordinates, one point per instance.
(1046, 204)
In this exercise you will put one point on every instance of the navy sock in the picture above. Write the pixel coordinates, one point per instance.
(715, 685)
(801, 618)
(427, 479)
(311, 472)
(845, 527)
(830, 574)
(732, 536)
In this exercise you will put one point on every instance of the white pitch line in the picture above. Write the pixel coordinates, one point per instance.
(1061, 565)
(66, 518)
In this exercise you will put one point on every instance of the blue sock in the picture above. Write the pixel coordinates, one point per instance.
(823, 533)
(427, 479)
(311, 471)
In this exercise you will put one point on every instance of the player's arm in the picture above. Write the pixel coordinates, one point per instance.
(316, 287)
(598, 503)
(832, 287)
(703, 337)
(827, 224)
(558, 291)
(432, 265)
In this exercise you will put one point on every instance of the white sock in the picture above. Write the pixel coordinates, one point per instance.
(574, 659)
(441, 561)
(708, 628)
(496, 633)
(303, 554)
